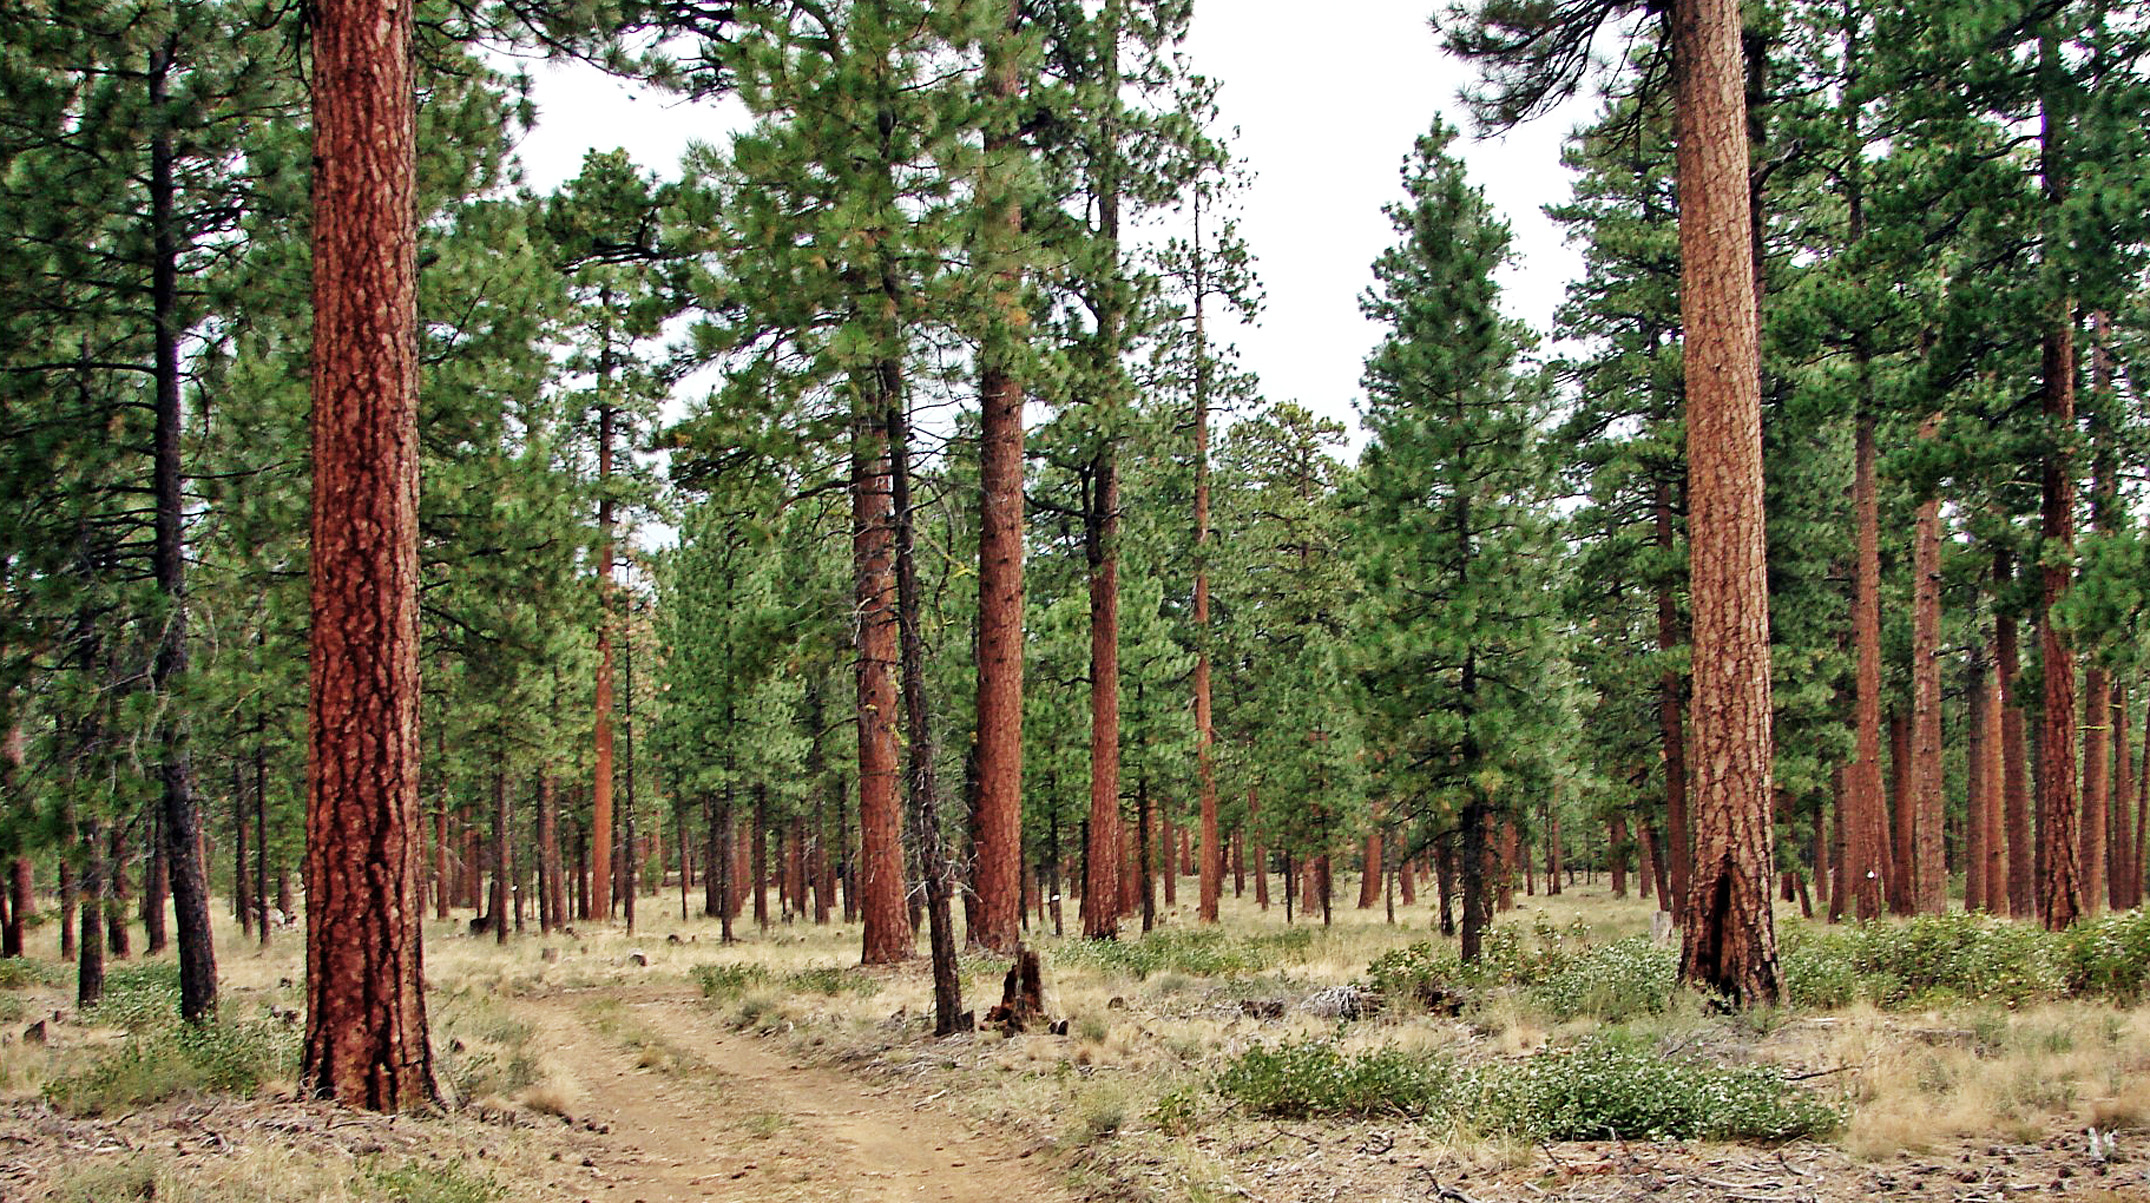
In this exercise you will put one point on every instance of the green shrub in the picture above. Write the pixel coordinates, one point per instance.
(1920, 961)
(18, 973)
(1603, 1087)
(727, 981)
(831, 980)
(1195, 952)
(1614, 982)
(140, 997)
(2108, 957)
(188, 1059)
(1607, 1087)
(1312, 1078)
(1420, 972)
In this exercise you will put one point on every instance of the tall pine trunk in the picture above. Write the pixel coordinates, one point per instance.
(888, 935)
(1729, 939)
(997, 815)
(365, 1042)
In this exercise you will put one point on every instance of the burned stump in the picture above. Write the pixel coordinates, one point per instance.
(1022, 996)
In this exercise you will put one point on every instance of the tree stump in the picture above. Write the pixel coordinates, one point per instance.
(1022, 995)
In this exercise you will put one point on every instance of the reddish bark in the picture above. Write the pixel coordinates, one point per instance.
(887, 936)
(365, 1042)
(1729, 941)
(996, 818)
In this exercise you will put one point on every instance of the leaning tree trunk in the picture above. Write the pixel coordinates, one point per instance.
(1730, 942)
(365, 1041)
(180, 818)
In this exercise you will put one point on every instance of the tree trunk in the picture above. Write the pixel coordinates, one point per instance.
(548, 850)
(1928, 870)
(948, 1015)
(180, 818)
(1997, 876)
(1616, 854)
(2120, 893)
(503, 852)
(996, 822)
(1370, 879)
(1212, 868)
(1901, 757)
(90, 945)
(888, 935)
(2015, 791)
(1101, 531)
(1976, 759)
(1671, 703)
(1730, 941)
(365, 1041)
(1477, 900)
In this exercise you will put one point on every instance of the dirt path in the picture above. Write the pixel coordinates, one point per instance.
(671, 1107)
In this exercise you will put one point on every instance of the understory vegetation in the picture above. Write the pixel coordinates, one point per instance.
(1187, 1050)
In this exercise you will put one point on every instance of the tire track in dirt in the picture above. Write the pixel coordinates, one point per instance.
(744, 1121)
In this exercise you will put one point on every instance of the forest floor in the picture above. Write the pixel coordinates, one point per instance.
(666, 1066)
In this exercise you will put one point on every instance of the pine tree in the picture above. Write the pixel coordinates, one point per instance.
(366, 1042)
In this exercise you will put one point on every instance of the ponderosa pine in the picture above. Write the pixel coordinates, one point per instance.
(365, 1041)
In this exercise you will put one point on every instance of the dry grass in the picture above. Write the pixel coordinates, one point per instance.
(1141, 1049)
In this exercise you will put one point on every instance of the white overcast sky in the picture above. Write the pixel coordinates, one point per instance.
(1326, 107)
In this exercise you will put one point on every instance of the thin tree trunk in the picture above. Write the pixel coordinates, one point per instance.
(180, 819)
(2015, 791)
(1101, 531)
(365, 1042)
(1616, 854)
(1671, 686)
(948, 1015)
(1901, 775)
(90, 944)
(1928, 870)
(1730, 942)
(1997, 876)
(503, 851)
(1976, 759)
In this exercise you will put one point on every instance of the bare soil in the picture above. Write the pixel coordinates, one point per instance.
(744, 1120)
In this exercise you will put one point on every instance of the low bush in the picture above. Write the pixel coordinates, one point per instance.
(1315, 1078)
(1603, 1087)
(18, 973)
(2108, 957)
(727, 981)
(1614, 982)
(831, 980)
(1607, 1087)
(1921, 961)
(179, 1060)
(1196, 952)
